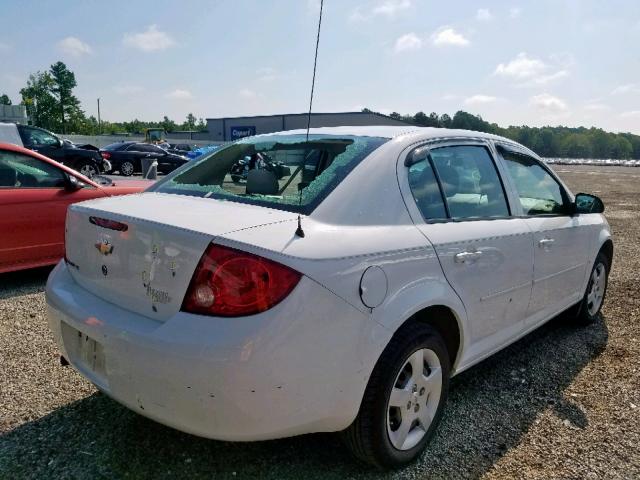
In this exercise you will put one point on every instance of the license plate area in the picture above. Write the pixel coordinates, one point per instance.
(85, 353)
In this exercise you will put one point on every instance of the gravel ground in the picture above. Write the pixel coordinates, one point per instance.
(561, 403)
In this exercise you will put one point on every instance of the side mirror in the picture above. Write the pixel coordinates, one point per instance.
(60, 143)
(71, 183)
(586, 203)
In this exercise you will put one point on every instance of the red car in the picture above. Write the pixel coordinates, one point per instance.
(35, 192)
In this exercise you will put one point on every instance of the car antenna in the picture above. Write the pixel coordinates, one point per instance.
(299, 230)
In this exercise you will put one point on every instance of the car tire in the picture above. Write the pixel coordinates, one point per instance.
(593, 299)
(390, 429)
(88, 170)
(127, 169)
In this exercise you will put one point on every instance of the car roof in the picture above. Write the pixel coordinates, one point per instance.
(408, 132)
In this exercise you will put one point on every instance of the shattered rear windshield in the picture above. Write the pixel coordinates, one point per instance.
(286, 172)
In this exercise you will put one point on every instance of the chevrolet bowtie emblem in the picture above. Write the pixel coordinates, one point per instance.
(105, 248)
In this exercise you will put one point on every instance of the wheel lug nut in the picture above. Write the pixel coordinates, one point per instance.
(416, 408)
(415, 388)
(422, 391)
(409, 406)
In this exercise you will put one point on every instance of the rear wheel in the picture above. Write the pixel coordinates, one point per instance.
(404, 399)
(126, 169)
(593, 298)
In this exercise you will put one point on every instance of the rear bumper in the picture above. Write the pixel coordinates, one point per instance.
(292, 370)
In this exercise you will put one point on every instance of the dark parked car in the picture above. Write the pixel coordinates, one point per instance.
(85, 159)
(126, 157)
(179, 148)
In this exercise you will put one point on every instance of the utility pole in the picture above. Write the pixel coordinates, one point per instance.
(99, 124)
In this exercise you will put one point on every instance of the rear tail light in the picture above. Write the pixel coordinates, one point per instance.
(105, 155)
(233, 283)
(110, 224)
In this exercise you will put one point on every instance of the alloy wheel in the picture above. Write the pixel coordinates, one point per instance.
(414, 399)
(127, 168)
(88, 170)
(597, 285)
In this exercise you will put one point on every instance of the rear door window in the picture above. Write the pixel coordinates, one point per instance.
(457, 182)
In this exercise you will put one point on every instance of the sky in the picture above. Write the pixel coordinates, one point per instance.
(548, 62)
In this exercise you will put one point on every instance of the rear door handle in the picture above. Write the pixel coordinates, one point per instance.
(546, 242)
(467, 257)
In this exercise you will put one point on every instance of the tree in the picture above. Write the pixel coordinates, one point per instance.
(4, 99)
(445, 121)
(420, 118)
(575, 146)
(168, 124)
(64, 81)
(40, 103)
(202, 126)
(395, 115)
(190, 122)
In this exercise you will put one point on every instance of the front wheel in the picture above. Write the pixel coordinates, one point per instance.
(404, 399)
(88, 170)
(593, 298)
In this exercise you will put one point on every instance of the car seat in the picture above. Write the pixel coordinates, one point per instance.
(262, 182)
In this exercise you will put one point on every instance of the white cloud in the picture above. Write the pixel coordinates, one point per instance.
(534, 72)
(548, 103)
(483, 15)
(73, 46)
(546, 79)
(448, 36)
(522, 67)
(450, 96)
(391, 7)
(515, 12)
(408, 41)
(180, 94)
(123, 89)
(479, 100)
(267, 74)
(150, 40)
(248, 93)
(631, 114)
(628, 88)
(386, 8)
(596, 107)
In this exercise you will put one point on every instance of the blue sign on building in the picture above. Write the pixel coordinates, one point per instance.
(241, 132)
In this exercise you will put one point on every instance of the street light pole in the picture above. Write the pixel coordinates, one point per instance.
(99, 124)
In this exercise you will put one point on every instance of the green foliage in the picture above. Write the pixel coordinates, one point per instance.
(4, 99)
(51, 104)
(64, 81)
(545, 141)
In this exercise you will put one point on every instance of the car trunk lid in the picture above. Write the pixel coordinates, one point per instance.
(144, 259)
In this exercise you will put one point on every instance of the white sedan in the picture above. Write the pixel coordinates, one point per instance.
(338, 288)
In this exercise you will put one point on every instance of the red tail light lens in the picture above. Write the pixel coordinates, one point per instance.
(110, 224)
(233, 283)
(105, 155)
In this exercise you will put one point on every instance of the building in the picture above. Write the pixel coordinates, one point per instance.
(229, 129)
(13, 113)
